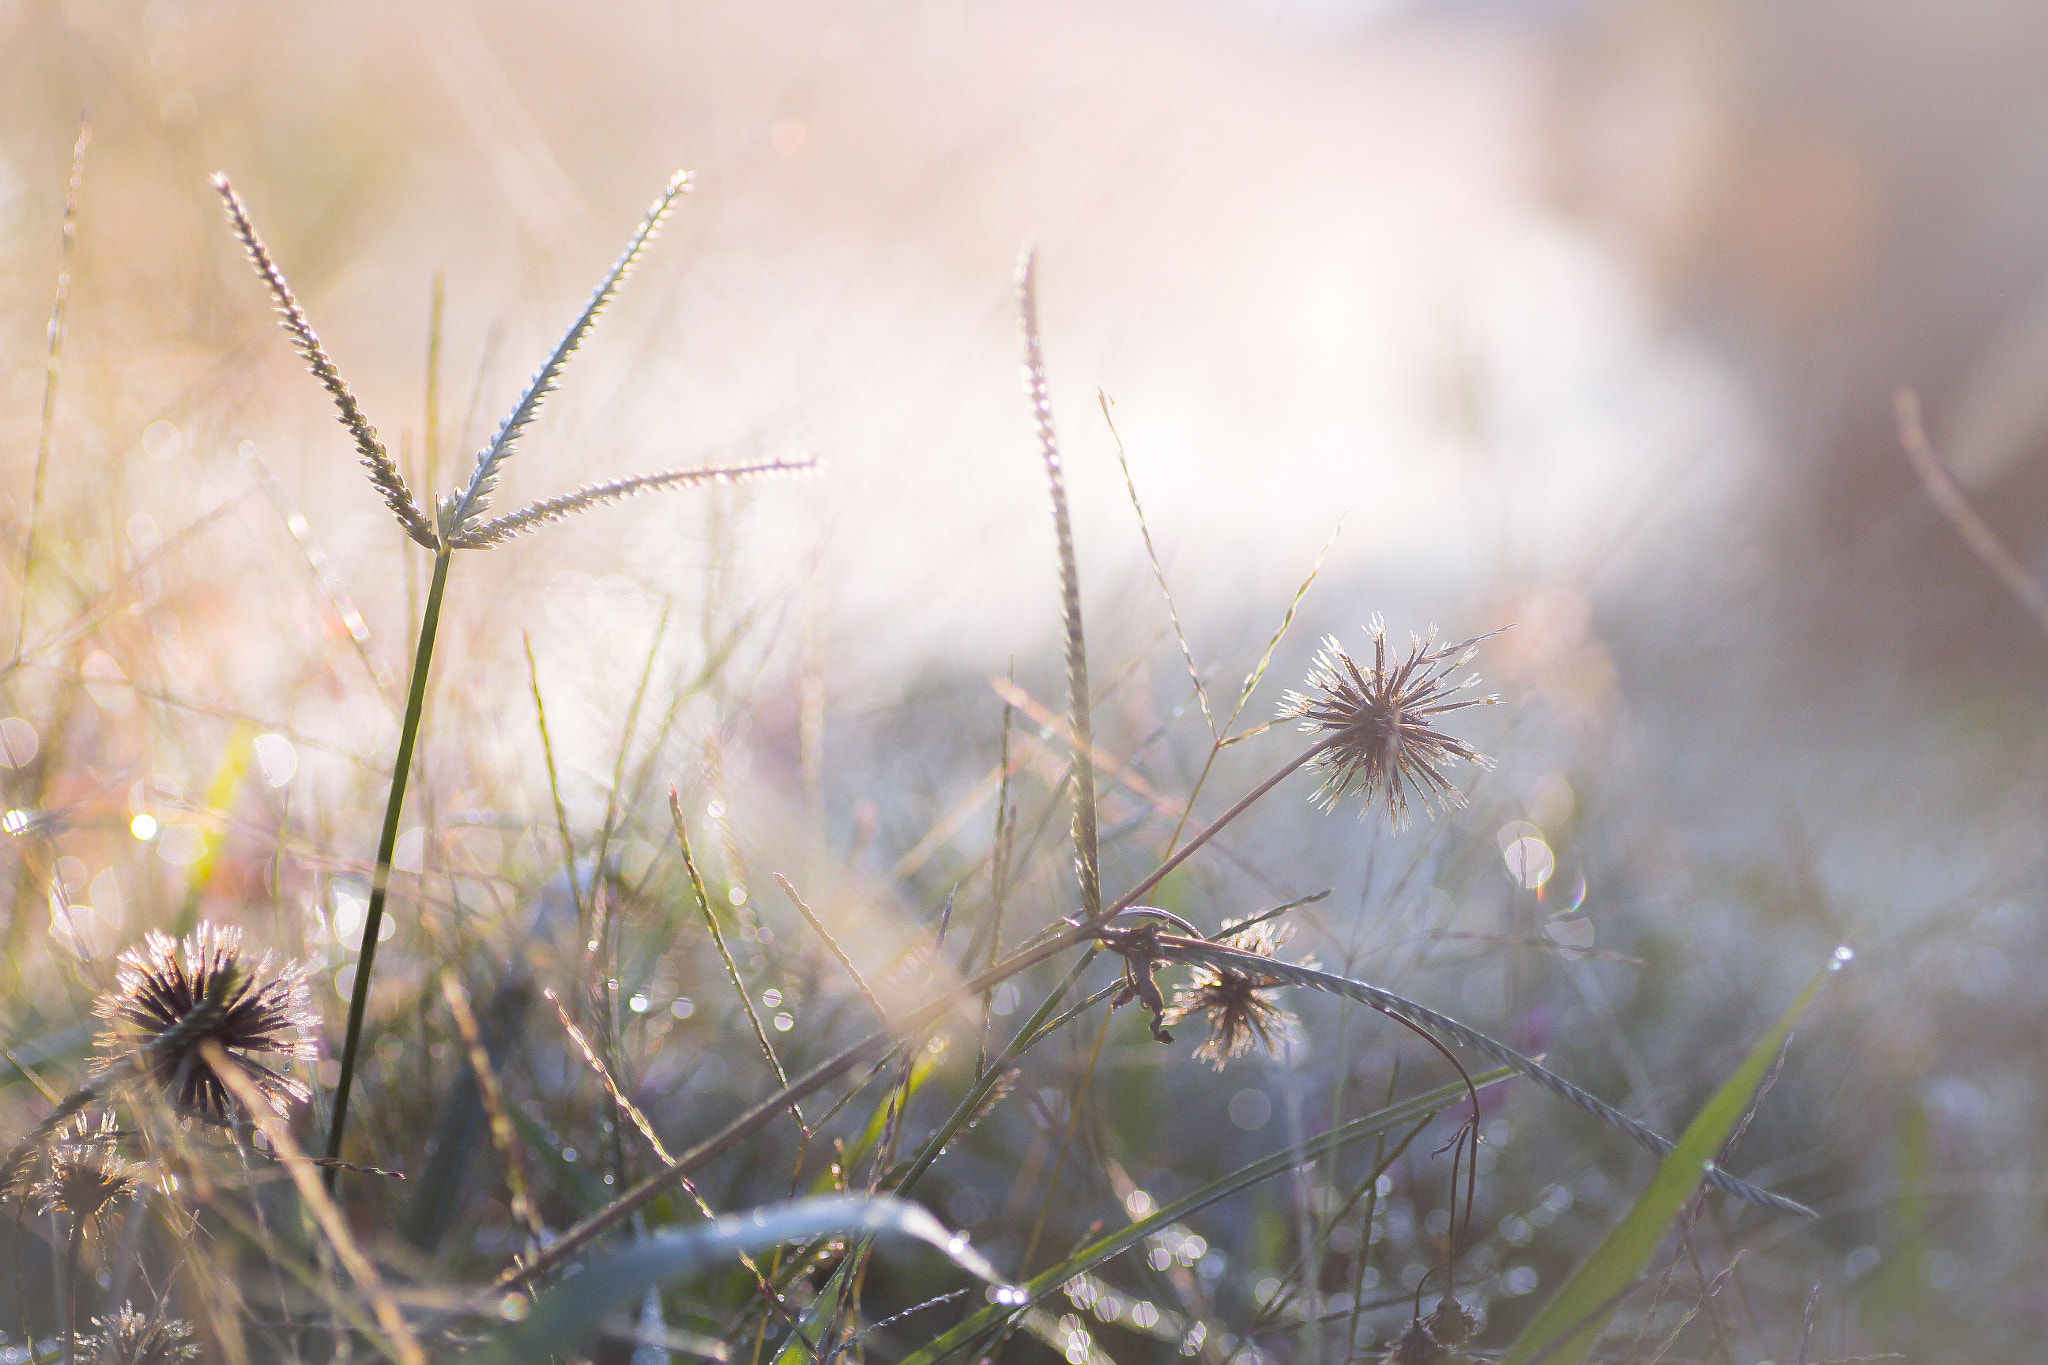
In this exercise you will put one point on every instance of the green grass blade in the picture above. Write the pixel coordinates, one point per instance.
(1421, 1016)
(1123, 1239)
(574, 1310)
(1572, 1322)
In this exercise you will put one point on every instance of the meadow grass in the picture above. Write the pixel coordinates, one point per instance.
(596, 1101)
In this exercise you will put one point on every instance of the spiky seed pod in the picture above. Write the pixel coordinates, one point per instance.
(1452, 1323)
(1379, 723)
(129, 1338)
(1241, 1016)
(1416, 1347)
(171, 996)
(84, 1176)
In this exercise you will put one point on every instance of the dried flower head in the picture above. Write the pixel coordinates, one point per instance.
(1379, 723)
(171, 997)
(84, 1176)
(132, 1339)
(1452, 1323)
(1241, 1016)
(1416, 1347)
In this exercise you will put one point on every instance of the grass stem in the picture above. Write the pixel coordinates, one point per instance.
(387, 845)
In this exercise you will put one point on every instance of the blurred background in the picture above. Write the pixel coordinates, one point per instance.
(1579, 317)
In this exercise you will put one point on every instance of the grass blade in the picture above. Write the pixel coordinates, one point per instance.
(53, 362)
(1946, 491)
(732, 970)
(1421, 1016)
(1123, 1239)
(573, 1311)
(1572, 1322)
(1158, 571)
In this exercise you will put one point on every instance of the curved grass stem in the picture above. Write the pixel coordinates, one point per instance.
(387, 845)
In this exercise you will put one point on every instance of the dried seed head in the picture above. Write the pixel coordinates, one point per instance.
(172, 996)
(1379, 722)
(1241, 1016)
(83, 1176)
(132, 1339)
(1452, 1323)
(1416, 1347)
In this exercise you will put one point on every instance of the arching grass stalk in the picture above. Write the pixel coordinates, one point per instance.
(387, 847)
(458, 521)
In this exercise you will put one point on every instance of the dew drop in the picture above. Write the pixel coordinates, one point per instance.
(1844, 955)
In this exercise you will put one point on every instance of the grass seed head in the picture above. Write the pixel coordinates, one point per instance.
(1379, 723)
(84, 1177)
(172, 996)
(129, 1338)
(1242, 1016)
(1452, 1323)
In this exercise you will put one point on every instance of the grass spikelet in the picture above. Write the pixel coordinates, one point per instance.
(476, 496)
(1085, 852)
(478, 536)
(383, 470)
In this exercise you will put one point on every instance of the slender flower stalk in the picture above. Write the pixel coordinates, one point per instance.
(458, 521)
(387, 848)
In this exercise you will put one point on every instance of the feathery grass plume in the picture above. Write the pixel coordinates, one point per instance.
(129, 1338)
(84, 1176)
(1241, 1014)
(170, 997)
(1379, 723)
